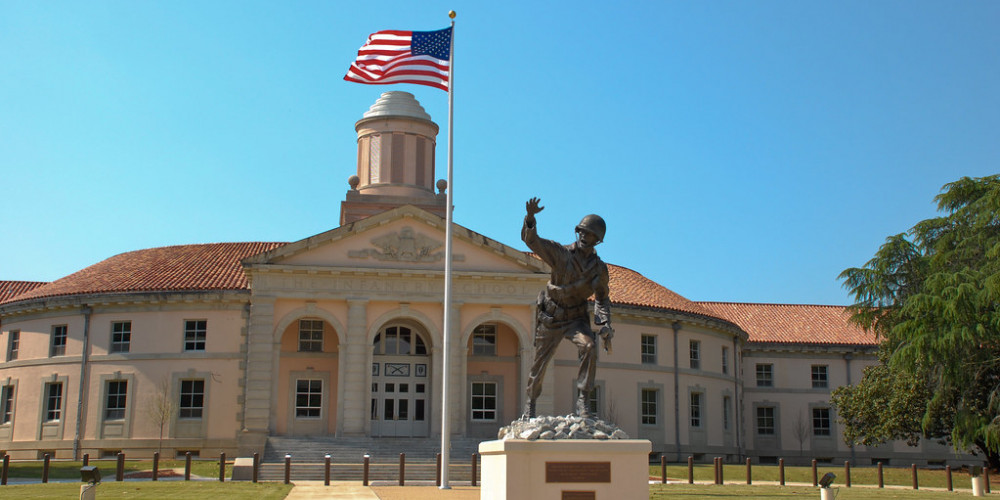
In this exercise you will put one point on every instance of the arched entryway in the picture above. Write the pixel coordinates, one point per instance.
(401, 383)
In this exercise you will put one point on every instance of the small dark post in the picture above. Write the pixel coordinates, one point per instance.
(913, 468)
(947, 470)
(663, 469)
(815, 476)
(156, 465)
(120, 470)
(438, 480)
(4, 469)
(288, 469)
(475, 465)
(45, 468)
(847, 473)
(722, 471)
(986, 479)
(326, 472)
(402, 469)
(749, 477)
(86, 459)
(364, 474)
(715, 469)
(256, 466)
(222, 467)
(187, 466)
(690, 469)
(781, 471)
(881, 478)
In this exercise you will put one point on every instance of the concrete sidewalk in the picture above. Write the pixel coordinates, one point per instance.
(308, 490)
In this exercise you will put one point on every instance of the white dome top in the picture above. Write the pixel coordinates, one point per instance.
(397, 103)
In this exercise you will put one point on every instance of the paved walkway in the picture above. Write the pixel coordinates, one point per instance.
(352, 490)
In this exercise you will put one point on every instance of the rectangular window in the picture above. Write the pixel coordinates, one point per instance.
(192, 402)
(484, 340)
(725, 360)
(117, 394)
(696, 398)
(484, 401)
(310, 335)
(765, 375)
(820, 378)
(53, 401)
(58, 348)
(6, 404)
(695, 354)
(308, 398)
(765, 420)
(725, 412)
(194, 334)
(121, 336)
(647, 407)
(821, 421)
(13, 344)
(648, 349)
(594, 400)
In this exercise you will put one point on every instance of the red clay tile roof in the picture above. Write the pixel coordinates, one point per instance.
(631, 288)
(11, 289)
(789, 323)
(213, 266)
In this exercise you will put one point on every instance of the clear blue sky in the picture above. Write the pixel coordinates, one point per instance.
(740, 151)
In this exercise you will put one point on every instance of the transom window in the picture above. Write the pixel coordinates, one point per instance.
(765, 375)
(648, 407)
(192, 402)
(484, 401)
(484, 340)
(821, 421)
(121, 336)
(695, 348)
(13, 344)
(820, 378)
(195, 332)
(308, 398)
(647, 348)
(53, 401)
(115, 405)
(59, 334)
(399, 340)
(765, 420)
(310, 335)
(696, 398)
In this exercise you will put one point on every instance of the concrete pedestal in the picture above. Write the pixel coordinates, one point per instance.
(568, 469)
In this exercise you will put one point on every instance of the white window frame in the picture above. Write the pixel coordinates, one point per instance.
(819, 418)
(766, 423)
(60, 335)
(484, 340)
(116, 403)
(195, 335)
(53, 402)
(121, 337)
(647, 349)
(820, 376)
(649, 405)
(13, 344)
(6, 404)
(694, 348)
(484, 406)
(765, 375)
(309, 398)
(191, 411)
(697, 402)
(726, 402)
(725, 360)
(311, 337)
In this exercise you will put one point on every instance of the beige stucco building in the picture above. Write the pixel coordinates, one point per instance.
(221, 346)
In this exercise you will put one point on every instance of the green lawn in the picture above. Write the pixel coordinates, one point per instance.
(71, 469)
(899, 476)
(149, 490)
(761, 492)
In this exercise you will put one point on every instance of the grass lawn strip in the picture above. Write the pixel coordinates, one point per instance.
(152, 490)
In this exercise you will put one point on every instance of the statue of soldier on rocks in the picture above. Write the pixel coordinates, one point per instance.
(577, 274)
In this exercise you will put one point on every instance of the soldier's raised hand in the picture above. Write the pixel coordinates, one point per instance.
(532, 206)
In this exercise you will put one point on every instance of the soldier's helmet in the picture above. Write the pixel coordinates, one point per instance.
(594, 224)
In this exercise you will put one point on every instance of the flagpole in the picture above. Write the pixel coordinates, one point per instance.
(446, 354)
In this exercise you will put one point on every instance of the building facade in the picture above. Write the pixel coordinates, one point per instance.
(221, 346)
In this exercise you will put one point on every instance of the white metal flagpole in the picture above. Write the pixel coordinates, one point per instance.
(446, 352)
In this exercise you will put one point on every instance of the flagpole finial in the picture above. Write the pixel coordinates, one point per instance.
(451, 14)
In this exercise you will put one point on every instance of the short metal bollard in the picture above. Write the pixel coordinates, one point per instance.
(749, 476)
(438, 473)
(86, 459)
(913, 468)
(156, 465)
(986, 479)
(364, 474)
(256, 466)
(475, 465)
(187, 466)
(222, 467)
(690, 469)
(881, 477)
(663, 469)
(3, 470)
(45, 468)
(402, 469)
(847, 473)
(781, 471)
(815, 475)
(288, 468)
(947, 472)
(120, 470)
(326, 471)
(722, 471)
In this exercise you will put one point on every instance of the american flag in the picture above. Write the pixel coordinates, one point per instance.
(392, 56)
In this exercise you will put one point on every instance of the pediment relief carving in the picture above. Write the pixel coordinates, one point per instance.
(405, 245)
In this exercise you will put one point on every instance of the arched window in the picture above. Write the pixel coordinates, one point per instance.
(399, 341)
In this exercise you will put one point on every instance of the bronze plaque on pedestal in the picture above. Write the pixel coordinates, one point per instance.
(577, 472)
(579, 495)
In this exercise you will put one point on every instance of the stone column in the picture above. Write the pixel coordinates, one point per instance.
(260, 372)
(356, 362)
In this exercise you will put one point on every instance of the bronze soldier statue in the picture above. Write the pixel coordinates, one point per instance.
(577, 273)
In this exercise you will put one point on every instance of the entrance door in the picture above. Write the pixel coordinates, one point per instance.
(400, 384)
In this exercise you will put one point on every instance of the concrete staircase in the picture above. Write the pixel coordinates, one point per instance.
(347, 458)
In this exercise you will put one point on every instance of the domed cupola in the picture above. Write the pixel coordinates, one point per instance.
(396, 140)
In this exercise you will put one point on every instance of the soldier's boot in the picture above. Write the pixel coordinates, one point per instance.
(582, 408)
(529, 410)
